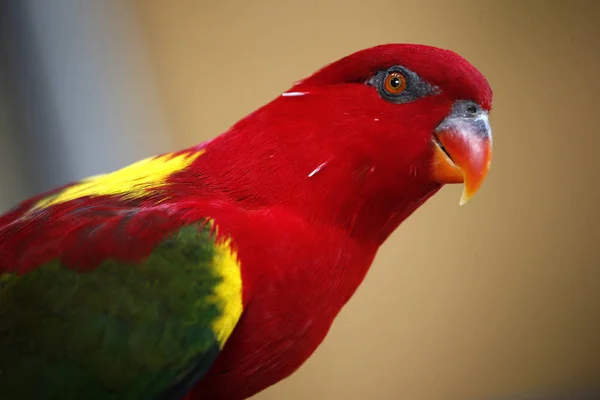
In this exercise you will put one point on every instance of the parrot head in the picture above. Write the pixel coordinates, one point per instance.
(366, 140)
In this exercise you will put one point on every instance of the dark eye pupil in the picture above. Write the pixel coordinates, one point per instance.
(395, 82)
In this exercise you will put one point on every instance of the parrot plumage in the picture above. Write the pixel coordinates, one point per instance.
(215, 271)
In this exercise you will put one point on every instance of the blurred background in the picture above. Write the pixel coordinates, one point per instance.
(497, 299)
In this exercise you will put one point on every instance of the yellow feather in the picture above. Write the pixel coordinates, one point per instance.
(131, 182)
(228, 292)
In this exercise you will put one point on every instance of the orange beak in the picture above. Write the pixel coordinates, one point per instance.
(462, 148)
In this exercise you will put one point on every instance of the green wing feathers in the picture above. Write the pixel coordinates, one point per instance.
(137, 331)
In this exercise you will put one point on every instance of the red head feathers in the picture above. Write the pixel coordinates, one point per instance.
(362, 142)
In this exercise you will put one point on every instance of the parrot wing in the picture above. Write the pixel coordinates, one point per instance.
(101, 300)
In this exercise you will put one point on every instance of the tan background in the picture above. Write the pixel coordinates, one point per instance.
(499, 297)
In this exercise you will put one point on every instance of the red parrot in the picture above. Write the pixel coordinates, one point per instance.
(216, 271)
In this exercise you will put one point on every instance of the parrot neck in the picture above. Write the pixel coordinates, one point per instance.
(319, 189)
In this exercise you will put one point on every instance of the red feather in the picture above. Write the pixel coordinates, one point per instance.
(308, 186)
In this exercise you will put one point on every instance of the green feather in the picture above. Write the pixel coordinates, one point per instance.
(121, 331)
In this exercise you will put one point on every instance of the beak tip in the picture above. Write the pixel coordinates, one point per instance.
(464, 199)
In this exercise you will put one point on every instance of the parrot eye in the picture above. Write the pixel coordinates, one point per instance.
(395, 83)
(399, 85)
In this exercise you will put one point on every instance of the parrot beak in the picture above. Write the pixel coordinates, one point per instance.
(462, 148)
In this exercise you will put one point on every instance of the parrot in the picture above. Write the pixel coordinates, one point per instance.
(216, 271)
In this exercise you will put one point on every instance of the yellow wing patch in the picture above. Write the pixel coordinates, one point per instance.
(131, 182)
(228, 293)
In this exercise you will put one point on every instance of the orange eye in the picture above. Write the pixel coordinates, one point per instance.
(395, 83)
